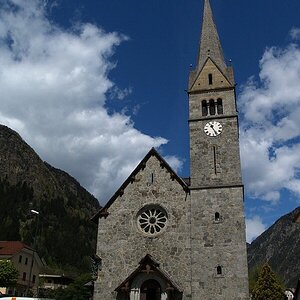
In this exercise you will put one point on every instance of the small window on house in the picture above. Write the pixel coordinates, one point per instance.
(220, 106)
(20, 258)
(33, 278)
(217, 217)
(210, 79)
(204, 108)
(26, 260)
(219, 270)
(24, 276)
(212, 108)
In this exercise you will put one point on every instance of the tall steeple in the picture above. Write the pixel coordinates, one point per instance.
(210, 45)
(218, 244)
(211, 71)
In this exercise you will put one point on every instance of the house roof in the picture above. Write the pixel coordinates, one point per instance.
(12, 247)
(103, 212)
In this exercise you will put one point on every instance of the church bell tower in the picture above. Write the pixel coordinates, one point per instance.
(163, 238)
(218, 245)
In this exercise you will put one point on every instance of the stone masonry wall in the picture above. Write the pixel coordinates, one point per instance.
(227, 96)
(221, 167)
(218, 243)
(121, 244)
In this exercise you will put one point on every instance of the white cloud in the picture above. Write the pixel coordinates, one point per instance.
(254, 227)
(175, 162)
(270, 127)
(117, 93)
(53, 86)
(295, 33)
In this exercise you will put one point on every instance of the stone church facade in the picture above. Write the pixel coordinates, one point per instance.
(162, 237)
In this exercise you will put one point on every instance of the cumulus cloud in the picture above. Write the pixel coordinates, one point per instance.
(54, 83)
(270, 127)
(254, 228)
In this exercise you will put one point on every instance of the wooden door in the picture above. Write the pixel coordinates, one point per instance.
(150, 290)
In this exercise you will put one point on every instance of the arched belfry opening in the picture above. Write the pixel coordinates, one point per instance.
(150, 290)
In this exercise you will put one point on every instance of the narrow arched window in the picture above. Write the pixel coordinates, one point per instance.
(220, 106)
(210, 79)
(151, 179)
(204, 108)
(217, 217)
(212, 108)
(219, 270)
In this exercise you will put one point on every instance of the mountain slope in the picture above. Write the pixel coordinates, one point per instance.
(19, 163)
(279, 246)
(66, 236)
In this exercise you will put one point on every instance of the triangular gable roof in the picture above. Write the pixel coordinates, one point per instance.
(103, 212)
(200, 71)
(148, 265)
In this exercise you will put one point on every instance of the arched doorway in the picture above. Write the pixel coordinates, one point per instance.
(150, 290)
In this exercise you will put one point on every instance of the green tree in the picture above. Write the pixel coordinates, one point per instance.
(253, 277)
(8, 274)
(268, 286)
(75, 291)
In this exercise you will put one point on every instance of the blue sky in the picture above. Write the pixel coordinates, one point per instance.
(101, 82)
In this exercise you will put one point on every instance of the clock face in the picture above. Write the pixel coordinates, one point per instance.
(213, 128)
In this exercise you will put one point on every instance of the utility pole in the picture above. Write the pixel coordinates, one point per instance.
(35, 212)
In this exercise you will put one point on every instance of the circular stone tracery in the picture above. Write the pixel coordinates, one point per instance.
(152, 220)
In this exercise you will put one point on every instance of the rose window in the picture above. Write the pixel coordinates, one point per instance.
(152, 220)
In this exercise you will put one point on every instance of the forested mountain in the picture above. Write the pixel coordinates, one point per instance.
(65, 236)
(279, 246)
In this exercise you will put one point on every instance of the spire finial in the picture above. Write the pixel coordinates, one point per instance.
(210, 45)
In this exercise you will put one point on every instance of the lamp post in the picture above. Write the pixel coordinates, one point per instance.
(35, 212)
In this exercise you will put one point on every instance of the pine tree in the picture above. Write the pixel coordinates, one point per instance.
(268, 287)
(253, 277)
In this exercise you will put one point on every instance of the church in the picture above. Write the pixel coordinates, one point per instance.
(163, 237)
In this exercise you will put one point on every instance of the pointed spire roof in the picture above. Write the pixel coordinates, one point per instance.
(210, 45)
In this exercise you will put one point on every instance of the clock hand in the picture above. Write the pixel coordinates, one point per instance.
(212, 127)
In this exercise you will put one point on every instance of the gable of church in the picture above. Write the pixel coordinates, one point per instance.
(210, 77)
(148, 214)
(152, 180)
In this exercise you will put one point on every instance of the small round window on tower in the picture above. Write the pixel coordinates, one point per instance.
(152, 219)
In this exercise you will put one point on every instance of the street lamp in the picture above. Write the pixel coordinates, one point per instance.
(35, 212)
